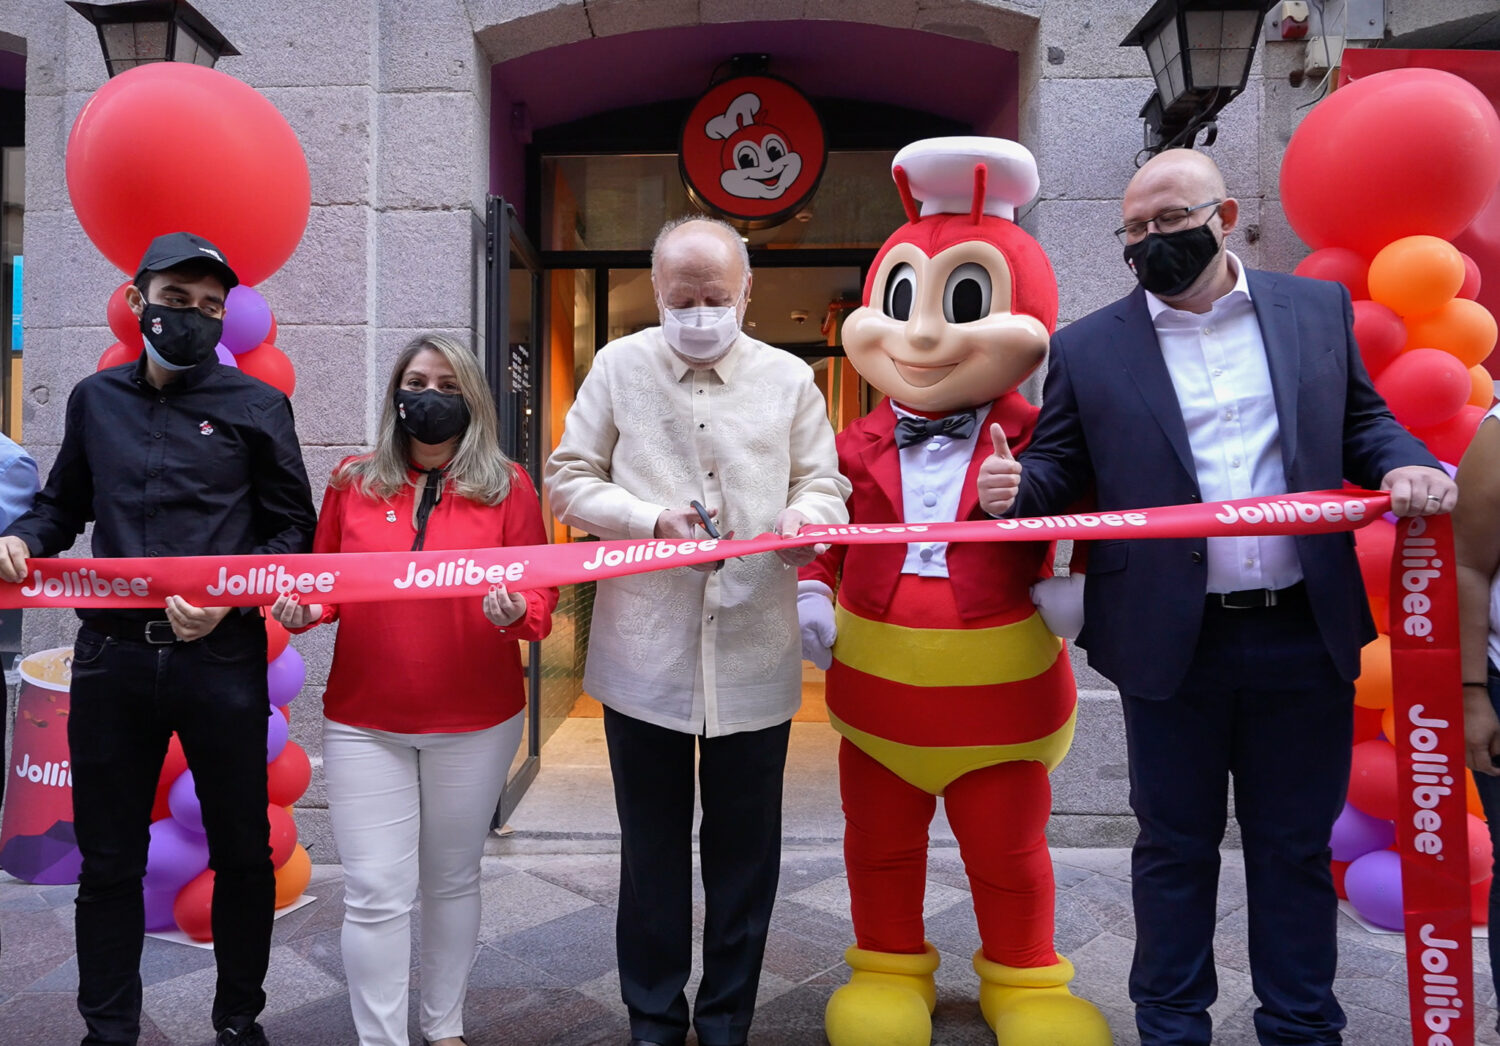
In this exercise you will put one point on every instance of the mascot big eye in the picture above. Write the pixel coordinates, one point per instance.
(943, 680)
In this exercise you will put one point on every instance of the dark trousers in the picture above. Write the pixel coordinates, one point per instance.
(739, 845)
(1263, 704)
(1489, 796)
(127, 698)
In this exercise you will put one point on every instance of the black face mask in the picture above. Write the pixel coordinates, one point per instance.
(181, 337)
(1167, 263)
(430, 416)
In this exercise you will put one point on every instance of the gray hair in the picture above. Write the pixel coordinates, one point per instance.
(729, 231)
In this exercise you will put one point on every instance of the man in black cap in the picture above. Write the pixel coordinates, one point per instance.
(173, 455)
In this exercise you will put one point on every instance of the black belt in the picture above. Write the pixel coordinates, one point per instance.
(1255, 598)
(157, 631)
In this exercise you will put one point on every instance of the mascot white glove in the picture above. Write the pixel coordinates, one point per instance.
(1060, 602)
(815, 619)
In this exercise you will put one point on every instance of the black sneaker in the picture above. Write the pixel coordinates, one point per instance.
(254, 1035)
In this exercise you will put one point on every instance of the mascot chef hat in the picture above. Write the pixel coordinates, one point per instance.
(965, 188)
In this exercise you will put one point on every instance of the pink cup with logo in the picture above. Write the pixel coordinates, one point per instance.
(36, 829)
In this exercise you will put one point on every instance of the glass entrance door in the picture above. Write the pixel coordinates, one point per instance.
(512, 363)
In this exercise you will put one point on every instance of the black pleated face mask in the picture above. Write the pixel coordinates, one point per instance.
(1167, 263)
(430, 416)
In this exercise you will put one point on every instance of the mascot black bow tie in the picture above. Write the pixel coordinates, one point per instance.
(910, 431)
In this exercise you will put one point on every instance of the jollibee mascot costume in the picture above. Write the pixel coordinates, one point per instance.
(944, 679)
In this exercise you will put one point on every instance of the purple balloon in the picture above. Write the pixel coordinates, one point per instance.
(1373, 883)
(1356, 833)
(182, 800)
(285, 676)
(159, 915)
(225, 356)
(247, 319)
(276, 728)
(176, 855)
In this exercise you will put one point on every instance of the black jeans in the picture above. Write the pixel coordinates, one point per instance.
(127, 698)
(739, 844)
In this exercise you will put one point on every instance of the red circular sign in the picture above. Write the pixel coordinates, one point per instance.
(752, 151)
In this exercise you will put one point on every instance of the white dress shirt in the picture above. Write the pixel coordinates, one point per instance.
(704, 653)
(932, 479)
(1218, 365)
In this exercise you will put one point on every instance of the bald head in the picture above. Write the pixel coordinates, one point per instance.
(1174, 178)
(1170, 183)
(700, 262)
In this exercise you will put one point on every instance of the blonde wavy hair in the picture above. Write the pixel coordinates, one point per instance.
(480, 471)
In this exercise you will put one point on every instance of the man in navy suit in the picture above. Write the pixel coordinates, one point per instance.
(1234, 656)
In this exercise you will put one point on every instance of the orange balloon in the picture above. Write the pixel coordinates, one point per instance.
(1461, 327)
(1471, 795)
(1380, 610)
(1416, 274)
(1484, 388)
(292, 877)
(1373, 687)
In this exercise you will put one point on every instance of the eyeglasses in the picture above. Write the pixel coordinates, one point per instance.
(1173, 219)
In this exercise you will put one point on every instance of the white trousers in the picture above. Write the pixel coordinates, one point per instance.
(412, 811)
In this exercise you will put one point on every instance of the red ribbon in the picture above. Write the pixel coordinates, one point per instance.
(1432, 827)
(1432, 821)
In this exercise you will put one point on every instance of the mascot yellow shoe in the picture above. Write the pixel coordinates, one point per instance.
(1033, 1007)
(888, 1001)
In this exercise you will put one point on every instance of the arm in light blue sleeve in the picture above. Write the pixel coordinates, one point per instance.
(19, 482)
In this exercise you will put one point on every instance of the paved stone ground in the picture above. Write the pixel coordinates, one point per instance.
(544, 971)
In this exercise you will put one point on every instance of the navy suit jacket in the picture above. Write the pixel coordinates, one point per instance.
(1111, 425)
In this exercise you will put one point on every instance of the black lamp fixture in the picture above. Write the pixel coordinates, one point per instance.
(145, 31)
(1200, 53)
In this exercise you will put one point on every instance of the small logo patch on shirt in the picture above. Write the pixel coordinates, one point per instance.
(206, 428)
(390, 516)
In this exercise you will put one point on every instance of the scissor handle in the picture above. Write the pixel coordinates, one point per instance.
(708, 522)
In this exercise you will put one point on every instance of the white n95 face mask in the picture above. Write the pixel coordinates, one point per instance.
(700, 335)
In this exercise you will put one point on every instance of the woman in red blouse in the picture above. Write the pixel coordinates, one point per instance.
(424, 706)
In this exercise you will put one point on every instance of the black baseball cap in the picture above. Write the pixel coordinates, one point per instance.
(175, 248)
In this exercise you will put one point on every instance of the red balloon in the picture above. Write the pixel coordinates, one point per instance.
(288, 775)
(117, 354)
(1372, 779)
(1423, 387)
(1366, 723)
(270, 365)
(1339, 870)
(271, 337)
(1374, 546)
(1380, 334)
(1479, 902)
(1449, 440)
(171, 768)
(277, 638)
(1398, 153)
(283, 834)
(1472, 279)
(123, 323)
(193, 908)
(1481, 850)
(239, 178)
(1340, 265)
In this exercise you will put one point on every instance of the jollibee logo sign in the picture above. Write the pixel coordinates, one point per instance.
(752, 151)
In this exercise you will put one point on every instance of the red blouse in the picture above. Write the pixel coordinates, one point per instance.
(433, 665)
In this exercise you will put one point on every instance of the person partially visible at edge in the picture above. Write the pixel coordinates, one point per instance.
(1234, 656)
(697, 661)
(425, 700)
(1476, 538)
(172, 455)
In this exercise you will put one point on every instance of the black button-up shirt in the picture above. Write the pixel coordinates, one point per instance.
(208, 465)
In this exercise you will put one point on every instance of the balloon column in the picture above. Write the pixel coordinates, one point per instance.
(239, 179)
(179, 884)
(1379, 178)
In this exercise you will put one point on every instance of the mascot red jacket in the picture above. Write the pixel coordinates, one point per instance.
(944, 680)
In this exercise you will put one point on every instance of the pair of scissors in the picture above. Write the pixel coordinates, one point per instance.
(708, 525)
